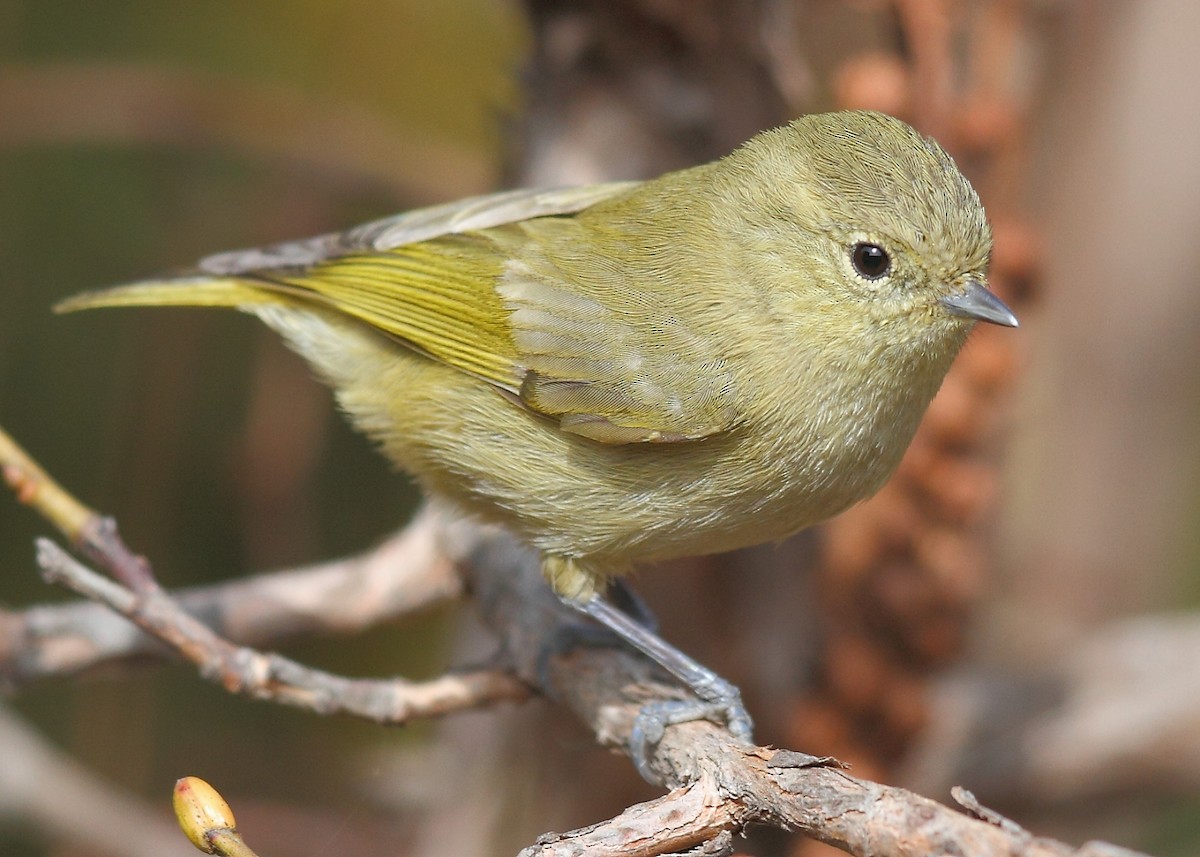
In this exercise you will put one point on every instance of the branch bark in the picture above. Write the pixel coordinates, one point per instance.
(718, 785)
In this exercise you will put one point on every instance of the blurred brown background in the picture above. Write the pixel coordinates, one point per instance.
(136, 136)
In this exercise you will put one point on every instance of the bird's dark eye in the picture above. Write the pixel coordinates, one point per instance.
(870, 260)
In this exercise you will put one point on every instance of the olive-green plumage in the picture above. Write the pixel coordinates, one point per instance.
(643, 370)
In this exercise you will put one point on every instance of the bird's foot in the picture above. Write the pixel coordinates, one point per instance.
(717, 700)
(723, 707)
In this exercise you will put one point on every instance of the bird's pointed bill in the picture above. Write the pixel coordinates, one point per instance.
(977, 302)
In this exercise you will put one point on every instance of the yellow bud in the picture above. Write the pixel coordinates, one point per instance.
(201, 811)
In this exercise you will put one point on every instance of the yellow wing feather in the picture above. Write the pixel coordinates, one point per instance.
(438, 296)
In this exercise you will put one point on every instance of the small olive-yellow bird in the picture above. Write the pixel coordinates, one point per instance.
(635, 371)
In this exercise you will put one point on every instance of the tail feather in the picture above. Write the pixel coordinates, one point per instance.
(190, 291)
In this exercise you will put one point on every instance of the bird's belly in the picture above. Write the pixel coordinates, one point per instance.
(575, 497)
(636, 502)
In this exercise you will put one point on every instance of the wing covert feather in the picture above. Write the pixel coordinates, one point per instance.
(437, 296)
(610, 375)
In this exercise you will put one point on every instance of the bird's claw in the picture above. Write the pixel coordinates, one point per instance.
(652, 721)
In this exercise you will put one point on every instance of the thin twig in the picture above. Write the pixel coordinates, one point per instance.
(402, 575)
(87, 530)
(264, 675)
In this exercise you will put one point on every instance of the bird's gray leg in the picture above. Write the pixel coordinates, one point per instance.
(717, 698)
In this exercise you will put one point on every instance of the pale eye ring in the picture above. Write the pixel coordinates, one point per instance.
(870, 260)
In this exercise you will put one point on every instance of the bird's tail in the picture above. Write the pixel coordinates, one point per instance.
(337, 346)
(205, 291)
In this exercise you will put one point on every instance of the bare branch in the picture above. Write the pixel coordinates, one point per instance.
(720, 786)
(87, 530)
(404, 574)
(262, 675)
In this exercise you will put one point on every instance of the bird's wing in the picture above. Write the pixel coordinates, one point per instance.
(613, 361)
(436, 280)
(412, 227)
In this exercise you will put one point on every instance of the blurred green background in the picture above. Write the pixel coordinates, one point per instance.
(135, 137)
